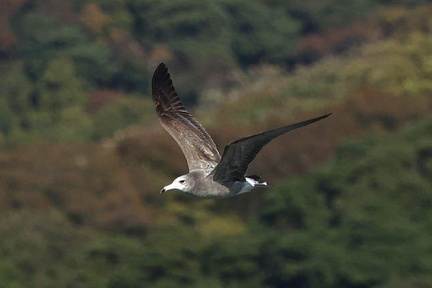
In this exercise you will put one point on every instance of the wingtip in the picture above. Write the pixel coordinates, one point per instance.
(159, 74)
(323, 116)
(320, 117)
(161, 67)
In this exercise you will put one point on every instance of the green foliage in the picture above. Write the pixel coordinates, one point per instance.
(191, 28)
(7, 119)
(168, 257)
(17, 91)
(403, 2)
(259, 32)
(119, 11)
(114, 45)
(399, 67)
(35, 250)
(248, 31)
(61, 101)
(112, 262)
(236, 261)
(370, 207)
(327, 14)
(74, 125)
(362, 220)
(43, 38)
(124, 112)
(59, 88)
(15, 100)
(198, 32)
(177, 22)
(133, 77)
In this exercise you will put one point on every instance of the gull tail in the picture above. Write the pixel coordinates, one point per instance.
(256, 181)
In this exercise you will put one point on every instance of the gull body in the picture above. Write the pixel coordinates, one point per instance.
(210, 175)
(201, 184)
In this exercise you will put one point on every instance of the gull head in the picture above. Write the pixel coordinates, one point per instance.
(183, 183)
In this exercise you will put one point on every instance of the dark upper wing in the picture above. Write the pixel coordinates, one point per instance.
(239, 154)
(196, 144)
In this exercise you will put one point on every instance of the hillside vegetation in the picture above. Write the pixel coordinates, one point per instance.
(83, 157)
(362, 220)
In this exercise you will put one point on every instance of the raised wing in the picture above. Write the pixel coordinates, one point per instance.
(196, 144)
(239, 154)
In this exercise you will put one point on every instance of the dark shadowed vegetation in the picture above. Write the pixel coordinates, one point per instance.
(82, 157)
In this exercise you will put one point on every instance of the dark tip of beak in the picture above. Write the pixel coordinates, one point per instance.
(162, 191)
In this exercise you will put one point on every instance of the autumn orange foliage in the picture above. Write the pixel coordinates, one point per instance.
(114, 184)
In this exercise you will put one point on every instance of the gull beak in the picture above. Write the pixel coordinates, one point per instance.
(168, 187)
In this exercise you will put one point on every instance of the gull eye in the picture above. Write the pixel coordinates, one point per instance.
(181, 181)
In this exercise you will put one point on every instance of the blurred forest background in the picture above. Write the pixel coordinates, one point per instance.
(83, 157)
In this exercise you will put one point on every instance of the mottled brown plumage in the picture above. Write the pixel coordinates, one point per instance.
(196, 144)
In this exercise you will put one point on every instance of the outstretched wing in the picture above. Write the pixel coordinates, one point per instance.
(196, 144)
(239, 154)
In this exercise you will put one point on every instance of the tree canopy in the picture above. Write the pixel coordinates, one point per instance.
(82, 155)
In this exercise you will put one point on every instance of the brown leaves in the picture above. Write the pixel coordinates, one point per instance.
(94, 18)
(86, 182)
(318, 45)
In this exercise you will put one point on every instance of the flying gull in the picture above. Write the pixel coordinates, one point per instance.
(210, 176)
